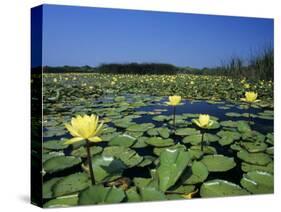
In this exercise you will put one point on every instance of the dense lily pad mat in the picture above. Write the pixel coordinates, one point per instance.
(143, 156)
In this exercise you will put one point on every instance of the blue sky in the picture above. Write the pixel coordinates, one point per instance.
(91, 36)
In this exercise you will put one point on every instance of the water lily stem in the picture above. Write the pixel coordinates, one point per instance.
(90, 163)
(202, 141)
(174, 119)
(249, 111)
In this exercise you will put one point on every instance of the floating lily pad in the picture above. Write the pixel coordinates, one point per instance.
(108, 136)
(258, 182)
(128, 156)
(70, 184)
(81, 152)
(60, 163)
(218, 163)
(243, 126)
(196, 174)
(122, 140)
(47, 187)
(221, 188)
(140, 127)
(254, 147)
(107, 168)
(99, 194)
(228, 137)
(157, 150)
(247, 167)
(151, 194)
(47, 156)
(196, 153)
(147, 160)
(187, 131)
(254, 158)
(193, 139)
(164, 132)
(161, 118)
(55, 145)
(140, 143)
(228, 123)
(66, 201)
(172, 164)
(233, 114)
(159, 142)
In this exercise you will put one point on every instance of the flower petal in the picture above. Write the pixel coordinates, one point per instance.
(197, 122)
(73, 140)
(95, 139)
(72, 130)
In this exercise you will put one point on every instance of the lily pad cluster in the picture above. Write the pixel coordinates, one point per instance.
(141, 156)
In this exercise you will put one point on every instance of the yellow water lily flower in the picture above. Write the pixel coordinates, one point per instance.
(84, 127)
(174, 100)
(204, 121)
(246, 85)
(250, 97)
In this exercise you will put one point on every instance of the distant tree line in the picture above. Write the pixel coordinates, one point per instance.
(260, 66)
(68, 69)
(138, 68)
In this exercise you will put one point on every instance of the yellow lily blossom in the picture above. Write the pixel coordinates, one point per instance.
(246, 85)
(174, 100)
(204, 121)
(250, 97)
(84, 127)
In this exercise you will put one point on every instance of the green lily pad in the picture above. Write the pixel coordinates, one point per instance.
(70, 184)
(254, 158)
(233, 114)
(81, 152)
(218, 163)
(193, 139)
(254, 147)
(196, 153)
(60, 163)
(144, 194)
(221, 188)
(157, 150)
(122, 140)
(247, 167)
(140, 127)
(228, 123)
(140, 143)
(243, 126)
(164, 132)
(98, 194)
(55, 145)
(258, 182)
(187, 131)
(196, 174)
(128, 156)
(66, 201)
(151, 194)
(159, 142)
(185, 189)
(228, 137)
(270, 150)
(161, 118)
(47, 187)
(107, 168)
(172, 164)
(47, 156)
